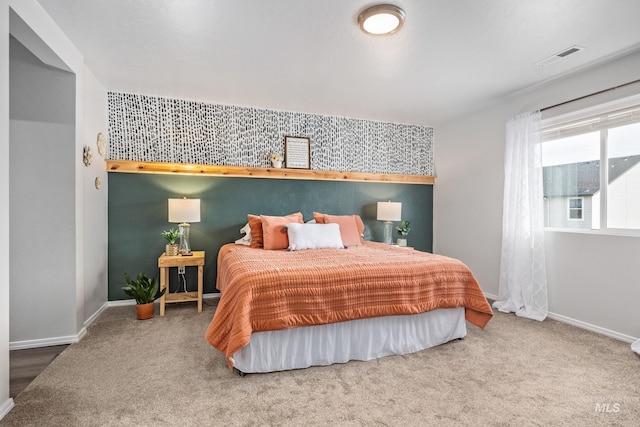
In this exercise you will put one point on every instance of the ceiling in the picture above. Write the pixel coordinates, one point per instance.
(449, 58)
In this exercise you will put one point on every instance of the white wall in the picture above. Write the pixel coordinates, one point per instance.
(582, 269)
(94, 204)
(5, 402)
(42, 198)
(594, 279)
(89, 290)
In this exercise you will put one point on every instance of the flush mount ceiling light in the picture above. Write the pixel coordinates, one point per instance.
(381, 19)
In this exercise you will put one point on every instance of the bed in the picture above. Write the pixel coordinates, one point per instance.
(282, 310)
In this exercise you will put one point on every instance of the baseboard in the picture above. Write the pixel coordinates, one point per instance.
(70, 339)
(493, 297)
(582, 325)
(47, 342)
(6, 407)
(593, 328)
(95, 315)
(123, 302)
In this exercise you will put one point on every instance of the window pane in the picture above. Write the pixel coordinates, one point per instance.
(571, 174)
(623, 189)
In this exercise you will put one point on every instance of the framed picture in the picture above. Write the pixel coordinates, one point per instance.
(297, 153)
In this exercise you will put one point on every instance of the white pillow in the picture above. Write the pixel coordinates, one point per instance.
(246, 239)
(314, 236)
(246, 230)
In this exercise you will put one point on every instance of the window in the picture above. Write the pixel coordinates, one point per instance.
(575, 208)
(591, 169)
(623, 190)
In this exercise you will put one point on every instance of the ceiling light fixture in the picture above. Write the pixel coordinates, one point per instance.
(381, 19)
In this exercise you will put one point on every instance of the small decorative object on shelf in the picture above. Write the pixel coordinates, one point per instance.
(145, 292)
(276, 160)
(171, 249)
(403, 231)
(297, 152)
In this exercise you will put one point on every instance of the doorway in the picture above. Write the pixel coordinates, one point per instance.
(42, 201)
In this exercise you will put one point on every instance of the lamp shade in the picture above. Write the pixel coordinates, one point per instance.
(389, 211)
(184, 210)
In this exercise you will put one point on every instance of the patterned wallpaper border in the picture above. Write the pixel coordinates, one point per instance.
(156, 129)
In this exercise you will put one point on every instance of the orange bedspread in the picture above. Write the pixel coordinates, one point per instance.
(265, 290)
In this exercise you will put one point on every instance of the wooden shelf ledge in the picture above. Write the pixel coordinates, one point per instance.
(130, 166)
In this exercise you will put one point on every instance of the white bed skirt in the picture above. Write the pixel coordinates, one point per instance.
(362, 339)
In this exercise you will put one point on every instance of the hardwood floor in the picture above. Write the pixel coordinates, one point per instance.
(25, 365)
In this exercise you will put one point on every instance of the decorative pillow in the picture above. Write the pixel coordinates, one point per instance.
(320, 219)
(314, 236)
(351, 226)
(246, 239)
(274, 233)
(246, 230)
(255, 224)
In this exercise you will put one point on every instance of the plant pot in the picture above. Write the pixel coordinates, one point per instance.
(402, 242)
(276, 163)
(144, 311)
(171, 250)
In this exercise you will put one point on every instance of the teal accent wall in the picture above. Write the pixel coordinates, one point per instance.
(138, 215)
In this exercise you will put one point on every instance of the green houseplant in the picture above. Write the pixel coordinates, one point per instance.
(171, 249)
(403, 231)
(145, 291)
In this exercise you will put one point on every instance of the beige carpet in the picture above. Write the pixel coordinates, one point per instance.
(161, 372)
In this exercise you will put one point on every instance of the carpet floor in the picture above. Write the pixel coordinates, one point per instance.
(161, 372)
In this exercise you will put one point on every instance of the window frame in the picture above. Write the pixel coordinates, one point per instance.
(596, 118)
(580, 209)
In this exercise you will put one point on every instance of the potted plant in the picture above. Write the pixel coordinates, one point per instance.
(276, 160)
(171, 249)
(403, 231)
(145, 292)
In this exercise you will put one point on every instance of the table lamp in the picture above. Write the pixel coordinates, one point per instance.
(389, 212)
(184, 211)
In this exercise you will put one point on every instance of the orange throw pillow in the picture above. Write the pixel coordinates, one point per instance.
(351, 226)
(256, 231)
(274, 233)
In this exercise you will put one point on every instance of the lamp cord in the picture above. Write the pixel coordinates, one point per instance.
(184, 283)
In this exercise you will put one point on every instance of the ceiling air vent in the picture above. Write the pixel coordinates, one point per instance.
(560, 55)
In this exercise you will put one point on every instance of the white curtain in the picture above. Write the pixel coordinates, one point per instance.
(523, 276)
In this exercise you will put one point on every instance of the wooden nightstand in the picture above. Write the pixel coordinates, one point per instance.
(164, 262)
(403, 247)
